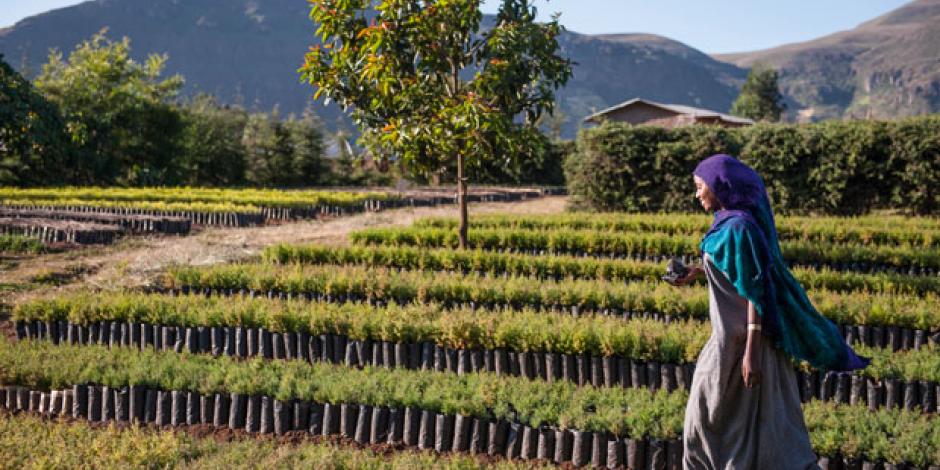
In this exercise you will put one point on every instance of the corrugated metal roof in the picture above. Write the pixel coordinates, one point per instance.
(676, 108)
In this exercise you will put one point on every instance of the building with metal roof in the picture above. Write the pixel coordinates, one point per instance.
(639, 111)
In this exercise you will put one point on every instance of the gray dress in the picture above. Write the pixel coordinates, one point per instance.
(727, 425)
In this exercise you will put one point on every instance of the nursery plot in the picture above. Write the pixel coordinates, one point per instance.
(644, 245)
(478, 413)
(53, 231)
(130, 223)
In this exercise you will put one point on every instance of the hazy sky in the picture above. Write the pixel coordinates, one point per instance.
(709, 25)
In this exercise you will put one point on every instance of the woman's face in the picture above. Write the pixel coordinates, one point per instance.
(705, 196)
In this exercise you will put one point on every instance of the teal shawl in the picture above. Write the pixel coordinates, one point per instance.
(742, 243)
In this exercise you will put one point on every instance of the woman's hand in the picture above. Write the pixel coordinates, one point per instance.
(694, 272)
(751, 367)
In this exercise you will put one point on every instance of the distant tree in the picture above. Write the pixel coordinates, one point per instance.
(760, 97)
(118, 112)
(212, 151)
(431, 89)
(33, 144)
(285, 153)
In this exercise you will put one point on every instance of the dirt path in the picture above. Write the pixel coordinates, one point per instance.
(136, 261)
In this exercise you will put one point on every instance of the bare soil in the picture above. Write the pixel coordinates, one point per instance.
(137, 261)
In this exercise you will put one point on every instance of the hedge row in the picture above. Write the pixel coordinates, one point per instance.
(449, 289)
(564, 266)
(30, 441)
(849, 167)
(618, 245)
(182, 383)
(881, 230)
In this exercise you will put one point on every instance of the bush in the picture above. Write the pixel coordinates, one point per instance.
(831, 168)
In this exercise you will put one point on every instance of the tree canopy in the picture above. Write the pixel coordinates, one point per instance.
(434, 89)
(760, 97)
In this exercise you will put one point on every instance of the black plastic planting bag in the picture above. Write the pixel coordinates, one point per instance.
(237, 411)
(876, 393)
(636, 453)
(150, 406)
(79, 401)
(530, 439)
(426, 430)
(479, 436)
(396, 425)
(300, 415)
(893, 393)
(928, 396)
(265, 348)
(402, 359)
(348, 415)
(611, 370)
(443, 432)
(857, 391)
(462, 425)
(122, 401)
(638, 374)
(240, 339)
(107, 404)
(178, 413)
(599, 449)
(365, 351)
(267, 415)
(164, 403)
(501, 361)
(378, 425)
(316, 419)
(206, 409)
(497, 433)
(363, 424)
(303, 347)
(513, 446)
(412, 426)
(253, 338)
(843, 385)
(277, 343)
(656, 452)
(220, 409)
(674, 454)
(193, 400)
(253, 413)
(331, 419)
(192, 340)
(94, 403)
(440, 358)
(615, 452)
(911, 394)
(581, 448)
(463, 361)
(351, 358)
(545, 448)
(564, 442)
(339, 345)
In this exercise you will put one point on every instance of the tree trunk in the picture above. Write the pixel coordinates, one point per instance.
(462, 202)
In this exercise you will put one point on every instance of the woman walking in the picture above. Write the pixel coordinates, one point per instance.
(744, 406)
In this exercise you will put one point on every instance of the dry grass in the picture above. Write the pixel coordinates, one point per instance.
(136, 261)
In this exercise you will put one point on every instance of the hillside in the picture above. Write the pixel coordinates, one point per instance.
(247, 52)
(886, 67)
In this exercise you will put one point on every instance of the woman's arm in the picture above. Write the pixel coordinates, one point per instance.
(751, 366)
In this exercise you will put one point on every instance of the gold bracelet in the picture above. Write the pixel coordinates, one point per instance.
(753, 327)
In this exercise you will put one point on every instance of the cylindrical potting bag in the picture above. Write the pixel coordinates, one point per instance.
(283, 412)
(237, 411)
(378, 425)
(267, 415)
(443, 432)
(564, 443)
(426, 430)
(581, 447)
(412, 426)
(462, 425)
(363, 424)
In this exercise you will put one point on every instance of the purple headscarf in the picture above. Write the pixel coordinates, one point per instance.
(740, 190)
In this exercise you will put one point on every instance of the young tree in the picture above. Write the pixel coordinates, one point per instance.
(117, 112)
(431, 88)
(760, 98)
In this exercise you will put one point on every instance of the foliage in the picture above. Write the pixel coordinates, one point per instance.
(842, 168)
(34, 442)
(885, 434)
(20, 244)
(117, 112)
(624, 412)
(212, 150)
(520, 330)
(284, 153)
(852, 308)
(564, 266)
(642, 244)
(428, 86)
(33, 143)
(760, 97)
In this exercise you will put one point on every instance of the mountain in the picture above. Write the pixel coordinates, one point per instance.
(248, 51)
(886, 67)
